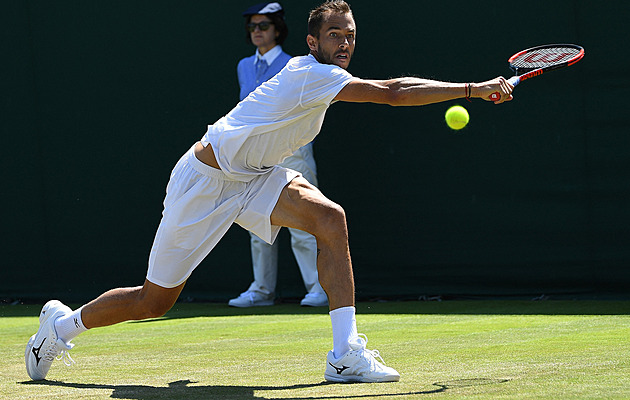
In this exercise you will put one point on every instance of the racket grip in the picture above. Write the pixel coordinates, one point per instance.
(515, 80)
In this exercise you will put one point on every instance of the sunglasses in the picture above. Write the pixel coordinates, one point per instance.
(262, 25)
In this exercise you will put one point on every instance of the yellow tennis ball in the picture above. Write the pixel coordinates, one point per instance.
(456, 117)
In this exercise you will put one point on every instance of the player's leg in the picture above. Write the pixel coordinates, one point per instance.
(133, 303)
(284, 198)
(59, 324)
(302, 206)
(188, 231)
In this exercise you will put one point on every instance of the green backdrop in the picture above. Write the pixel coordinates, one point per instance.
(100, 98)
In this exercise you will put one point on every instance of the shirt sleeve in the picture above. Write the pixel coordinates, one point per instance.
(322, 83)
(240, 73)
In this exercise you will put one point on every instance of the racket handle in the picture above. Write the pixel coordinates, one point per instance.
(515, 80)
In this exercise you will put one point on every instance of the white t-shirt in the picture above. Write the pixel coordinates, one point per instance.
(280, 116)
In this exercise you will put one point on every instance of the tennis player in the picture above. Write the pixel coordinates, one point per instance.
(231, 176)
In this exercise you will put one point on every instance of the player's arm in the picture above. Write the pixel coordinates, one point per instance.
(417, 91)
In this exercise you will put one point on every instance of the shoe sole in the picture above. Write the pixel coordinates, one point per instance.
(360, 379)
(27, 352)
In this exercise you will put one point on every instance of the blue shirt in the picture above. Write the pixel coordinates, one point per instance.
(247, 75)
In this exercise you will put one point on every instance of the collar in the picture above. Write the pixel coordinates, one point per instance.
(269, 56)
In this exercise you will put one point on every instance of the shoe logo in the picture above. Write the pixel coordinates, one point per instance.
(339, 370)
(76, 323)
(36, 350)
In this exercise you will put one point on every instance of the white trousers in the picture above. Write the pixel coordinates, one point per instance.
(265, 262)
(304, 245)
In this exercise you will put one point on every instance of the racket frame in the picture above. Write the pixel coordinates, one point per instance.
(518, 78)
(530, 73)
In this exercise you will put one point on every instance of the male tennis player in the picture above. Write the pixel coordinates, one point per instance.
(231, 176)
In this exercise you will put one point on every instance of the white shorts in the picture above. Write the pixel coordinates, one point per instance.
(200, 206)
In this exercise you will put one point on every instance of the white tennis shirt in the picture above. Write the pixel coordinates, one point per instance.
(280, 116)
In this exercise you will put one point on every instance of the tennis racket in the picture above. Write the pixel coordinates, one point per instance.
(540, 59)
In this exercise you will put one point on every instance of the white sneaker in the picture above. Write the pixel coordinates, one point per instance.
(359, 365)
(315, 299)
(250, 299)
(49, 346)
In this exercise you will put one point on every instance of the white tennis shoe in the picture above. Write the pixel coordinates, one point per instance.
(250, 298)
(315, 299)
(359, 365)
(44, 346)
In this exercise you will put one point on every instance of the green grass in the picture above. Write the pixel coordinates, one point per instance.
(443, 350)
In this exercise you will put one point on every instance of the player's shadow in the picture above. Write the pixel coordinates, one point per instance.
(181, 389)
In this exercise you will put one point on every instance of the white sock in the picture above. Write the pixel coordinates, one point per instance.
(344, 328)
(70, 325)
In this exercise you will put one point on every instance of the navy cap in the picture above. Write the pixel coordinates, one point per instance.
(263, 8)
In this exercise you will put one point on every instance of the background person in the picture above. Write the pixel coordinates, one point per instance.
(267, 30)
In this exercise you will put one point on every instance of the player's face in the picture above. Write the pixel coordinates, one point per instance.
(264, 40)
(336, 41)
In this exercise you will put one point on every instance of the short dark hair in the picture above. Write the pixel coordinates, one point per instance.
(317, 15)
(278, 21)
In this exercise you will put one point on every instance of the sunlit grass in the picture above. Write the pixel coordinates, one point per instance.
(472, 349)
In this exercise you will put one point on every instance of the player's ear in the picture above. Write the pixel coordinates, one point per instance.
(312, 42)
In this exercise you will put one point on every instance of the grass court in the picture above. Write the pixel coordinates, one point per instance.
(443, 350)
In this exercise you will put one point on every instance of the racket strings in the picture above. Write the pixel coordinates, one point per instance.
(544, 57)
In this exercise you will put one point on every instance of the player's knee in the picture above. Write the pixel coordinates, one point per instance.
(153, 308)
(331, 223)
